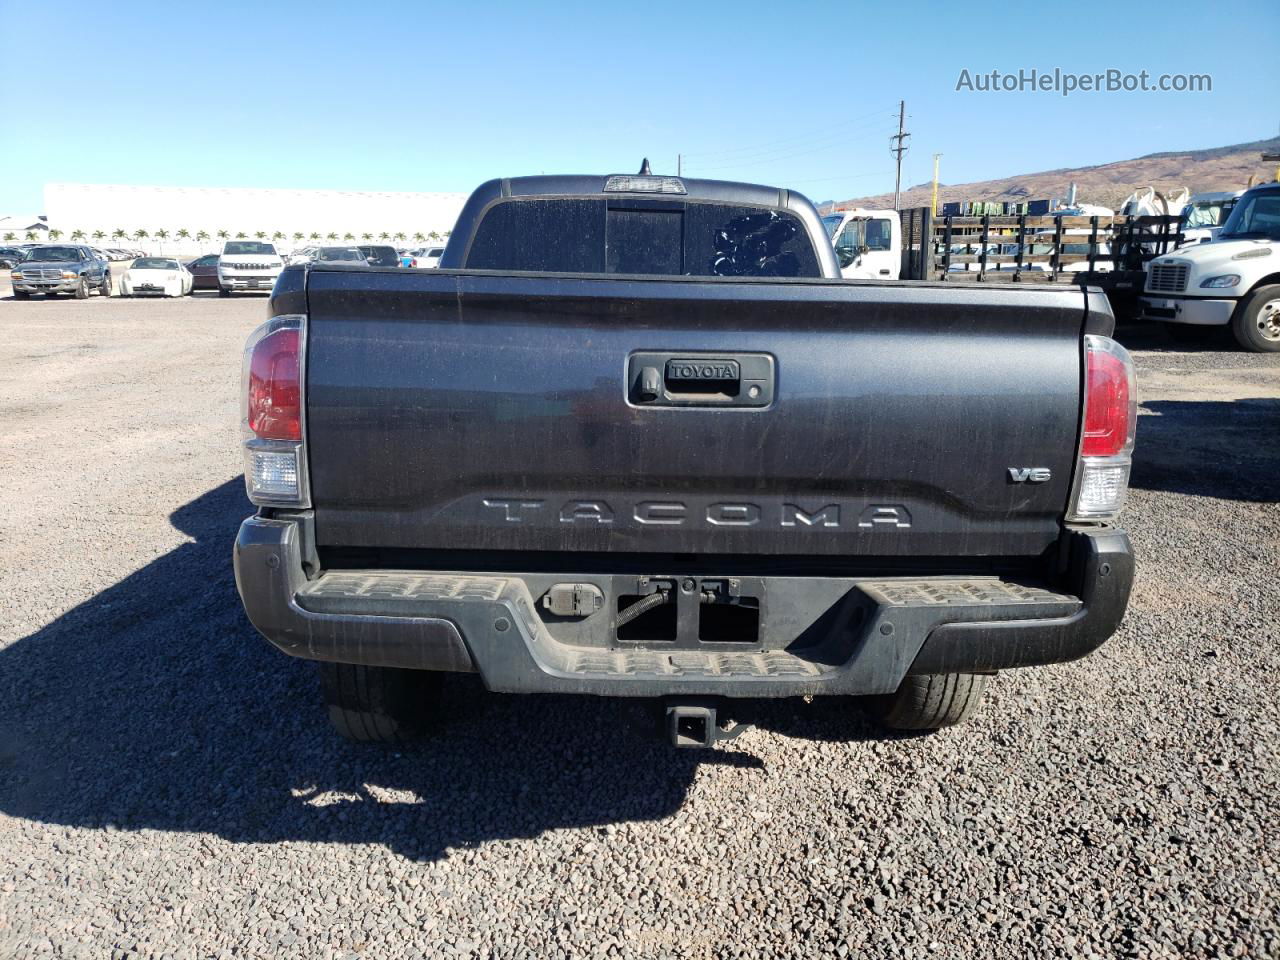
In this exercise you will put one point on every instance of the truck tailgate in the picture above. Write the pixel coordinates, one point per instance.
(483, 411)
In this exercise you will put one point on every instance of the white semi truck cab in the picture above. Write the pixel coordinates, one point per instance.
(868, 243)
(1204, 214)
(1234, 279)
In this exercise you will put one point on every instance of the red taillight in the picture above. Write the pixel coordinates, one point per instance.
(1108, 404)
(275, 409)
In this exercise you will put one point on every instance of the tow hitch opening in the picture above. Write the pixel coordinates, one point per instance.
(695, 724)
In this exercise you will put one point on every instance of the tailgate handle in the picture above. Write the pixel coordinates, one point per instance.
(656, 379)
(702, 375)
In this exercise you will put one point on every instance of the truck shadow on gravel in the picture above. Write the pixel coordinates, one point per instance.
(155, 705)
(1229, 449)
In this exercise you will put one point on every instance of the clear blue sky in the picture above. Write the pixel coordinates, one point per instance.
(423, 96)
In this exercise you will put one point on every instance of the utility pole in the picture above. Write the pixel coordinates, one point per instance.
(679, 164)
(898, 150)
(934, 207)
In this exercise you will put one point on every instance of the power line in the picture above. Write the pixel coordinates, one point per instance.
(769, 146)
(847, 136)
(844, 176)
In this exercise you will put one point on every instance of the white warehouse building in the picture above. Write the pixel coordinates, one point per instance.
(236, 210)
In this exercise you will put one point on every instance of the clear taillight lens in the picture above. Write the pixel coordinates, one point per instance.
(1110, 423)
(272, 387)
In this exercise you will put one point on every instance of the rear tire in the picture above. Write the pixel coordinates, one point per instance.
(105, 289)
(929, 701)
(378, 704)
(1256, 323)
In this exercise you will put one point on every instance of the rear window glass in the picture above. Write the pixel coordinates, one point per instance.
(381, 256)
(642, 236)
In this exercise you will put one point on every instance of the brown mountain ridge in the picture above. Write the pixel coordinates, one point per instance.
(1108, 184)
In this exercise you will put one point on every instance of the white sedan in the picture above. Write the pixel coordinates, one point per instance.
(156, 276)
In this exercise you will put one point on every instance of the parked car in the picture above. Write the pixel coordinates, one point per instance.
(11, 256)
(156, 276)
(1231, 280)
(428, 257)
(723, 484)
(204, 272)
(247, 265)
(52, 269)
(380, 256)
(301, 255)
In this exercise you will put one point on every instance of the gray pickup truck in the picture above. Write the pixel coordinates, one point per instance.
(636, 437)
(61, 268)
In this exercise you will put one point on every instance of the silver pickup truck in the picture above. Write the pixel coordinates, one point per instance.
(61, 268)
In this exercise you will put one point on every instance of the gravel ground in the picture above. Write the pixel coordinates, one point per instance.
(169, 786)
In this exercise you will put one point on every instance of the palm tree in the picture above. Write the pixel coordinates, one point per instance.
(399, 238)
(184, 234)
(298, 237)
(31, 236)
(140, 234)
(162, 235)
(261, 235)
(348, 236)
(55, 234)
(118, 234)
(222, 234)
(240, 235)
(77, 234)
(448, 234)
(384, 236)
(201, 237)
(277, 235)
(98, 235)
(314, 236)
(10, 237)
(419, 238)
(366, 237)
(433, 235)
(331, 236)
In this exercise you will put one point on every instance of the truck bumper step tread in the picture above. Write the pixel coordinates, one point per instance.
(815, 635)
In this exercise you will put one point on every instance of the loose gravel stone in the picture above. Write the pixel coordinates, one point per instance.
(169, 786)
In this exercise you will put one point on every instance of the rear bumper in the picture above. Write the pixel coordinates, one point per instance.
(1200, 311)
(848, 635)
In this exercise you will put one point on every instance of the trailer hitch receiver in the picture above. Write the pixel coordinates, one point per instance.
(694, 724)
